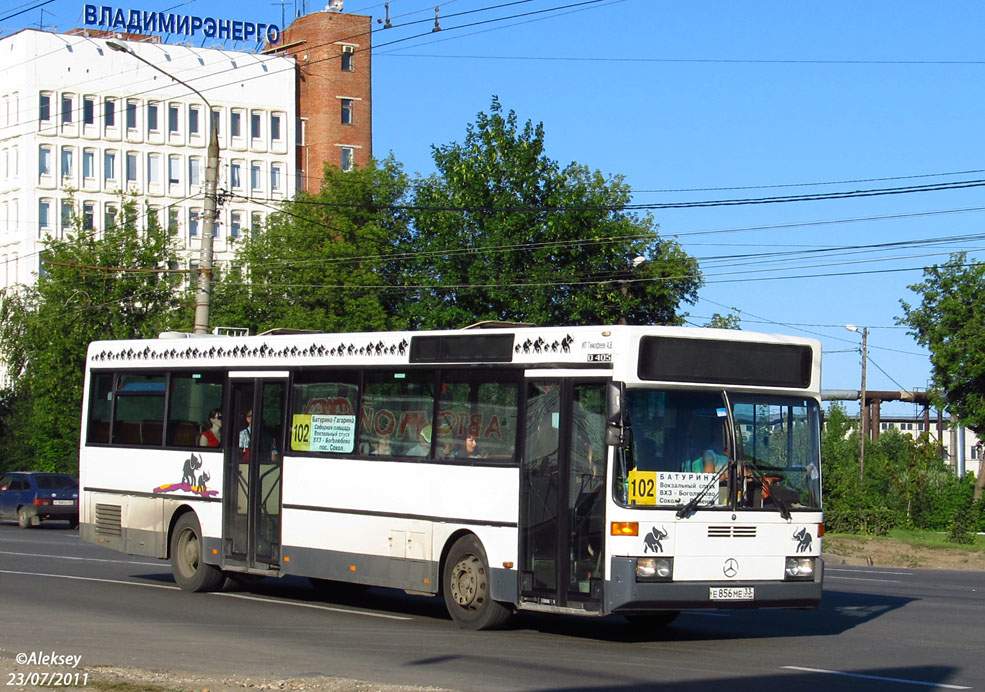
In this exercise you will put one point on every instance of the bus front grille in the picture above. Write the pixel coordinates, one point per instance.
(731, 532)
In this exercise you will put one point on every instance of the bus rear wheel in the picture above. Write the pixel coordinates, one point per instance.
(188, 564)
(466, 587)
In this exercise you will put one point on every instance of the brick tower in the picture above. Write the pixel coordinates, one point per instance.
(334, 92)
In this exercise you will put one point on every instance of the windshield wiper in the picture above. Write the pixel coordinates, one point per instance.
(692, 504)
(761, 477)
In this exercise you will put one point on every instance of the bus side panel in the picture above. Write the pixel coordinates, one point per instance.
(134, 517)
(388, 523)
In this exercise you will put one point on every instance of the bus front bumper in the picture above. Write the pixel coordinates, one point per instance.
(624, 594)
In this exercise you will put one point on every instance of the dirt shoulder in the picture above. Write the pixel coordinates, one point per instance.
(887, 552)
(121, 679)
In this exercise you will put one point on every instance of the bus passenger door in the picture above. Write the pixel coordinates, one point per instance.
(563, 493)
(254, 462)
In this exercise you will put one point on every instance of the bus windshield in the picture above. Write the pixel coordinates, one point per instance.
(684, 441)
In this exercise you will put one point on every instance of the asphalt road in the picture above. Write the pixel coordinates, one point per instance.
(877, 629)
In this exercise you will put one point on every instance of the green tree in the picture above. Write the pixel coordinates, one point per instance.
(720, 321)
(503, 232)
(326, 261)
(950, 322)
(93, 285)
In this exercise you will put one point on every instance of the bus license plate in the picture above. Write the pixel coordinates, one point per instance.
(731, 593)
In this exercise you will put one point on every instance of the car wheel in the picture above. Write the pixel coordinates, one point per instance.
(466, 587)
(188, 564)
(23, 520)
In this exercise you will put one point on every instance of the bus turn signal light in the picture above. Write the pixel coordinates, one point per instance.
(625, 528)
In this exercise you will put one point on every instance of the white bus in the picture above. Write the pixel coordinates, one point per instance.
(581, 470)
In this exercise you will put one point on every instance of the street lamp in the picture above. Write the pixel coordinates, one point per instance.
(208, 221)
(863, 418)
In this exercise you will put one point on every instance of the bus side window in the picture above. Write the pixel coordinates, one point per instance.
(396, 413)
(324, 401)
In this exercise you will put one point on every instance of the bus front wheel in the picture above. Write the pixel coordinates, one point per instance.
(188, 565)
(466, 587)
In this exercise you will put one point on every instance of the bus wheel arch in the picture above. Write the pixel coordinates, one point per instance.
(187, 553)
(466, 584)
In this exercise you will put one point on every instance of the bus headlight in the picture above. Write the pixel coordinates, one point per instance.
(654, 569)
(799, 569)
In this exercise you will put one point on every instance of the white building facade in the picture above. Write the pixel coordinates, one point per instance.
(81, 123)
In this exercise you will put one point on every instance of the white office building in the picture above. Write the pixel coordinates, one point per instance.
(81, 121)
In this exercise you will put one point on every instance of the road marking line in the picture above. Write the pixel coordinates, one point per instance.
(878, 677)
(312, 605)
(866, 571)
(88, 559)
(891, 581)
(106, 581)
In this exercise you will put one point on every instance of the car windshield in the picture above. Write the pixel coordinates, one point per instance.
(55, 482)
(682, 443)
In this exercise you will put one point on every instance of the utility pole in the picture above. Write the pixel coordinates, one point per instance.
(864, 415)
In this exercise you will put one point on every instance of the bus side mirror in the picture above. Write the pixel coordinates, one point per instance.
(618, 436)
(616, 433)
(615, 395)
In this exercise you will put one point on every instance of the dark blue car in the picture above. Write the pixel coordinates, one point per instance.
(33, 496)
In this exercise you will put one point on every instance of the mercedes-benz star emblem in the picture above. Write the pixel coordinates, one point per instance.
(731, 567)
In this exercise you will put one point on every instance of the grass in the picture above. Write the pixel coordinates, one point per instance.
(934, 539)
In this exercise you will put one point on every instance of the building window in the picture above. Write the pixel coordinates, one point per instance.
(276, 122)
(174, 170)
(256, 220)
(275, 177)
(109, 112)
(109, 217)
(347, 115)
(67, 161)
(131, 167)
(193, 218)
(153, 169)
(172, 119)
(66, 215)
(235, 223)
(152, 125)
(193, 112)
(44, 160)
(131, 115)
(234, 180)
(67, 109)
(255, 132)
(44, 214)
(347, 59)
(255, 173)
(88, 110)
(109, 165)
(194, 171)
(235, 124)
(89, 163)
(216, 120)
(173, 220)
(348, 158)
(88, 216)
(44, 108)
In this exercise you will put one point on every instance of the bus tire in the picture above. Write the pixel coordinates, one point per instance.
(188, 565)
(465, 584)
(660, 618)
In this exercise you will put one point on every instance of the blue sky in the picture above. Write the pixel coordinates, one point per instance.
(690, 100)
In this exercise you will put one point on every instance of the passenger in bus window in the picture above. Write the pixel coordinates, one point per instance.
(244, 437)
(472, 447)
(213, 433)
